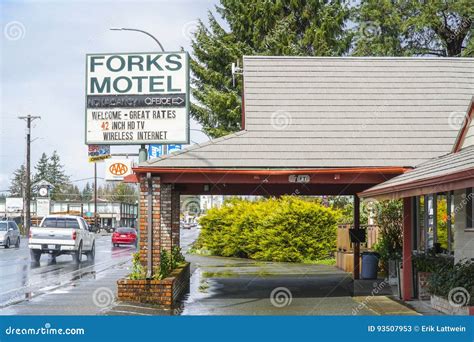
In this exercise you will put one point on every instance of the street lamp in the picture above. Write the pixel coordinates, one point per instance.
(136, 30)
(142, 152)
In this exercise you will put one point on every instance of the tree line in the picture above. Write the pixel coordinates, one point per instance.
(50, 169)
(442, 28)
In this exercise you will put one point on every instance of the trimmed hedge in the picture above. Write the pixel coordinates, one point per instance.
(284, 229)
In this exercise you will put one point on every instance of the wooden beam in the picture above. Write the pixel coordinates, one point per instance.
(455, 181)
(356, 272)
(271, 189)
(407, 249)
(245, 178)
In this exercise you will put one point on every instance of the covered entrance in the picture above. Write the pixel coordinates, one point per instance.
(311, 126)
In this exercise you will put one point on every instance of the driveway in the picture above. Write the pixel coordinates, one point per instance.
(231, 286)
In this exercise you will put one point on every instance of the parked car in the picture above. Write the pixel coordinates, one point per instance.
(62, 234)
(9, 234)
(124, 236)
(109, 229)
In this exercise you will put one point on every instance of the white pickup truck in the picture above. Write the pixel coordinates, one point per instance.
(62, 234)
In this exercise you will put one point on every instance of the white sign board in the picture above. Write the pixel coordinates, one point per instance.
(117, 169)
(14, 204)
(137, 98)
(42, 207)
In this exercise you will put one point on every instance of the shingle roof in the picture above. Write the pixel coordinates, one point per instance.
(319, 112)
(445, 165)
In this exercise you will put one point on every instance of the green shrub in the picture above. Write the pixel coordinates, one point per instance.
(138, 271)
(177, 258)
(283, 229)
(389, 219)
(452, 276)
(431, 262)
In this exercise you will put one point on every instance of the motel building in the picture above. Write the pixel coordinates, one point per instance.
(363, 127)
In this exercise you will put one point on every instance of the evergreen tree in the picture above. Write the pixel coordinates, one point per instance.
(42, 169)
(56, 175)
(290, 27)
(406, 28)
(87, 192)
(125, 193)
(18, 182)
(69, 192)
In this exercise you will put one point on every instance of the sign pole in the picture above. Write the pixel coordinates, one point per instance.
(95, 196)
(142, 154)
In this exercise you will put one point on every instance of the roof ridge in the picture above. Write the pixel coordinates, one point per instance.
(460, 59)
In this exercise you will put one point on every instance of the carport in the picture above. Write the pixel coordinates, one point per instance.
(311, 126)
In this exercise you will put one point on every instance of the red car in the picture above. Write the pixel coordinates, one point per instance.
(124, 236)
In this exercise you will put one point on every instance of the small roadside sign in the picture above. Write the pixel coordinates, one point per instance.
(174, 147)
(98, 152)
(155, 151)
(117, 169)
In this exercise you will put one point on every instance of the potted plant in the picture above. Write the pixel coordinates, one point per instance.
(389, 219)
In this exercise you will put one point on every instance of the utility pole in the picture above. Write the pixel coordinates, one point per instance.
(27, 199)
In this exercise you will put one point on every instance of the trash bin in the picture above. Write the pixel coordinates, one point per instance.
(370, 265)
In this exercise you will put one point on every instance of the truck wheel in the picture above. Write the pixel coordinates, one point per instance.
(35, 255)
(17, 244)
(91, 254)
(7, 243)
(78, 255)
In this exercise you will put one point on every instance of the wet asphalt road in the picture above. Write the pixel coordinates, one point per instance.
(21, 279)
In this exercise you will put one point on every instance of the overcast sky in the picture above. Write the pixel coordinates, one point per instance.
(43, 48)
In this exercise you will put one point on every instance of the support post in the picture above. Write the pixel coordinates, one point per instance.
(95, 198)
(407, 249)
(435, 218)
(356, 271)
(142, 157)
(449, 220)
(149, 273)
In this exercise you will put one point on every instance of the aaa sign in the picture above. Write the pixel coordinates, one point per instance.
(137, 98)
(117, 169)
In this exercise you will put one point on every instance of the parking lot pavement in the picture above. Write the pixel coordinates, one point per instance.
(61, 287)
